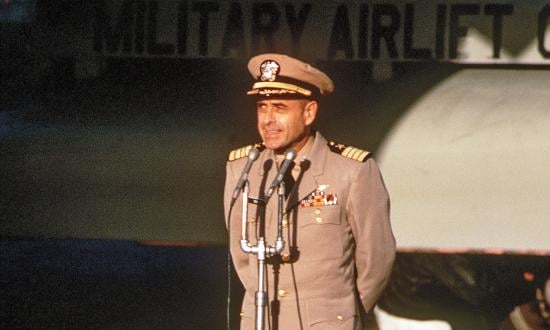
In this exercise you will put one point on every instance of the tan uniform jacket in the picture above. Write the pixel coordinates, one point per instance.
(339, 246)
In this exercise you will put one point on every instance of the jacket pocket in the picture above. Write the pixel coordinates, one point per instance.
(321, 215)
(320, 233)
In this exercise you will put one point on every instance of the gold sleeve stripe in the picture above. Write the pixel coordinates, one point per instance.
(241, 152)
(235, 154)
(355, 154)
(363, 155)
(346, 151)
(349, 151)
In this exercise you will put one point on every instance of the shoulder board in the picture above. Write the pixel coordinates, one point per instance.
(349, 151)
(243, 152)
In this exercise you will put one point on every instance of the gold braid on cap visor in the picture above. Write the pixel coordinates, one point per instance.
(279, 85)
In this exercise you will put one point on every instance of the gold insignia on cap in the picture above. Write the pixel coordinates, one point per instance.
(282, 75)
(269, 70)
(349, 151)
(243, 152)
(277, 89)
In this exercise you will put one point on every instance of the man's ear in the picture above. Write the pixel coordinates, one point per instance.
(310, 112)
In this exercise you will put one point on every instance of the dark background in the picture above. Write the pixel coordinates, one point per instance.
(95, 168)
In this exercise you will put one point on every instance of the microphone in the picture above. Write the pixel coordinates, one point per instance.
(290, 155)
(252, 156)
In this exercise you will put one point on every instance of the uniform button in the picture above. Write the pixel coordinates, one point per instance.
(285, 257)
(340, 317)
(317, 211)
(283, 293)
(319, 220)
(285, 223)
(242, 314)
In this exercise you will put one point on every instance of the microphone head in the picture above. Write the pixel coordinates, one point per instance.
(290, 154)
(253, 154)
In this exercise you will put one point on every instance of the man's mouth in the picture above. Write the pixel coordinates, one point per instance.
(272, 132)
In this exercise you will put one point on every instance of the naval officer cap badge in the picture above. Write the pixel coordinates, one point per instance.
(281, 76)
(269, 70)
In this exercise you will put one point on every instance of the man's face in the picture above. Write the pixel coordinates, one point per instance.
(284, 124)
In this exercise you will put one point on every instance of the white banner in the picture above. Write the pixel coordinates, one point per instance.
(495, 31)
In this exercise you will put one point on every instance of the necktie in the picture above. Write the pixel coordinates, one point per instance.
(288, 178)
(289, 181)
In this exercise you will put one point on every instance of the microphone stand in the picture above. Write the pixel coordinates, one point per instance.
(262, 250)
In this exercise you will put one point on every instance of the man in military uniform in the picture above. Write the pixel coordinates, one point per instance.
(339, 247)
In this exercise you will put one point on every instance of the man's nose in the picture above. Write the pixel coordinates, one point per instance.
(269, 115)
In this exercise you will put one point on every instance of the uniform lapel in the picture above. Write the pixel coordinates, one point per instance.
(261, 175)
(312, 169)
